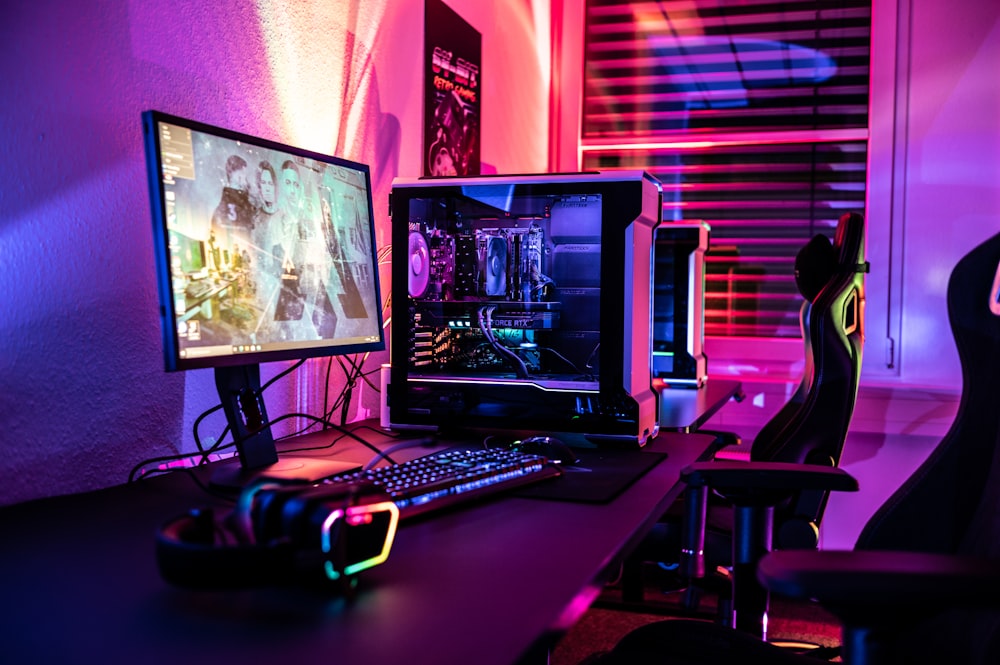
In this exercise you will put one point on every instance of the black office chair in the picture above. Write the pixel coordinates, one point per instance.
(923, 582)
(809, 429)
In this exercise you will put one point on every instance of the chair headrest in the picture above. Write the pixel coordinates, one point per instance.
(820, 260)
(849, 240)
(815, 264)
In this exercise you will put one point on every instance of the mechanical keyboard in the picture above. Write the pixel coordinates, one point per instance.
(443, 480)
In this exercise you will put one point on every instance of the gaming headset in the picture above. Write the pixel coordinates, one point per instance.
(280, 533)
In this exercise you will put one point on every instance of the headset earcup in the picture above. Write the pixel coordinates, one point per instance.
(189, 555)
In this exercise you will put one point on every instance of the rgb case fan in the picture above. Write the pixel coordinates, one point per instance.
(419, 261)
(496, 266)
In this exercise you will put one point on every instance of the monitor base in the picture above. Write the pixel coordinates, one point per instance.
(230, 474)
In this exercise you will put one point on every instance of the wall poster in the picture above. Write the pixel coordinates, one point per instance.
(452, 87)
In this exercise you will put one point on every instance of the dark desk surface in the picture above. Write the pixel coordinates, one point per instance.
(490, 583)
(688, 409)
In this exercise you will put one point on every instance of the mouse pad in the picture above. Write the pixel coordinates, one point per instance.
(598, 477)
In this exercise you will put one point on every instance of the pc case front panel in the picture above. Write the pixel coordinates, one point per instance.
(679, 358)
(527, 304)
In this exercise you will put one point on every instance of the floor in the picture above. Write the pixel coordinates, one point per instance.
(880, 463)
(601, 627)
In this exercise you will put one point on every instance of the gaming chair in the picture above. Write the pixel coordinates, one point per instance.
(809, 429)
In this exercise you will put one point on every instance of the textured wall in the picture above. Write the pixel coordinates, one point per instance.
(83, 394)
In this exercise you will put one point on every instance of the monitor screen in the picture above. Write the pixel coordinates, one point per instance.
(264, 251)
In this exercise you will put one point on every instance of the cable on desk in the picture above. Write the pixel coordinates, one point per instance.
(343, 430)
(197, 423)
(218, 445)
(155, 460)
(384, 454)
(202, 456)
(378, 430)
(187, 470)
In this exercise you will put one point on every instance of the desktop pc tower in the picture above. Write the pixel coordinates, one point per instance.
(524, 304)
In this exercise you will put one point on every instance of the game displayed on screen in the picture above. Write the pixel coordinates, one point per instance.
(268, 250)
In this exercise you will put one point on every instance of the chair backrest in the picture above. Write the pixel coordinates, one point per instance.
(950, 504)
(812, 426)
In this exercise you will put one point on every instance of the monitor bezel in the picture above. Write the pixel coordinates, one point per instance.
(171, 344)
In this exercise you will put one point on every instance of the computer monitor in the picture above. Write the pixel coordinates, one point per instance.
(263, 252)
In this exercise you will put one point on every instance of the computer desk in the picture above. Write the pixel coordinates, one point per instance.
(496, 582)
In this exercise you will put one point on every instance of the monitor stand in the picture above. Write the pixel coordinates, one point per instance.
(257, 455)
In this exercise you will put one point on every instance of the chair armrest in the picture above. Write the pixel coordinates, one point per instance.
(744, 484)
(872, 583)
(723, 440)
(768, 476)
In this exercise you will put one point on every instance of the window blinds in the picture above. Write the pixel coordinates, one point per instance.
(754, 117)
